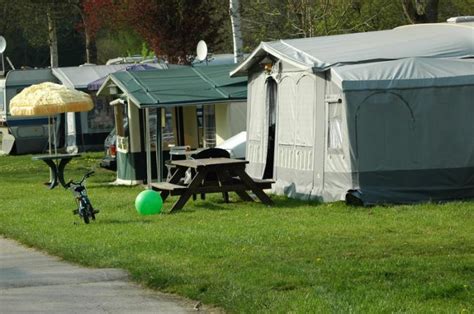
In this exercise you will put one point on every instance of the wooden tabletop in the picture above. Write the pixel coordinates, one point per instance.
(186, 153)
(196, 163)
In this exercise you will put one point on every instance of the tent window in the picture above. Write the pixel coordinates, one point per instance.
(209, 126)
(335, 128)
(168, 133)
(121, 120)
(305, 112)
(286, 112)
(101, 118)
(256, 107)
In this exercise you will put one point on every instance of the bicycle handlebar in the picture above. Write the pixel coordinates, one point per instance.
(87, 175)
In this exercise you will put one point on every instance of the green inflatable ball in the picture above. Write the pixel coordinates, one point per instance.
(148, 202)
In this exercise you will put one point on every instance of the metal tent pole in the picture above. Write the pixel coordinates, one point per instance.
(54, 136)
(148, 147)
(159, 147)
(51, 174)
(49, 135)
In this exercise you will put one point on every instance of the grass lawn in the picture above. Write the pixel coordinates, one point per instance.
(245, 257)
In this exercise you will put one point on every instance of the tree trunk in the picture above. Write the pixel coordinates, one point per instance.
(421, 11)
(234, 11)
(91, 48)
(52, 38)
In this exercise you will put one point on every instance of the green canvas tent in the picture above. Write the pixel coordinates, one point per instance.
(148, 91)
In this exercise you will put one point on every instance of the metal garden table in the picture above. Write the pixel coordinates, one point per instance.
(56, 163)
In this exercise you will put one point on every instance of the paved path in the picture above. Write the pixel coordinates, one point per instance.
(31, 281)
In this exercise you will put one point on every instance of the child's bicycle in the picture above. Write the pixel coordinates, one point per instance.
(85, 209)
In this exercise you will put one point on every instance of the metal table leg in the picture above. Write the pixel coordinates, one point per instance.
(60, 172)
(54, 173)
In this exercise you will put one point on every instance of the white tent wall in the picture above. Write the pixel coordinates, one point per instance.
(411, 145)
(71, 146)
(337, 166)
(231, 119)
(320, 134)
(257, 125)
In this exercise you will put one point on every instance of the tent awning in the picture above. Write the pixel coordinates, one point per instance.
(179, 87)
(404, 74)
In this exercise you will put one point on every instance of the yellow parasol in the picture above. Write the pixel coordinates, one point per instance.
(47, 99)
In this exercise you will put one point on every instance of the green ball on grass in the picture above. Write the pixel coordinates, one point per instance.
(148, 202)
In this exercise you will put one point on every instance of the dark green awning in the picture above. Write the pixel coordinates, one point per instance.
(179, 86)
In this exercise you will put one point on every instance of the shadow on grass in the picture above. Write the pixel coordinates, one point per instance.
(235, 202)
(216, 203)
(213, 205)
(284, 202)
(123, 222)
(448, 291)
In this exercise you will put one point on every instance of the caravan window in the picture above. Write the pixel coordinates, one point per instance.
(334, 128)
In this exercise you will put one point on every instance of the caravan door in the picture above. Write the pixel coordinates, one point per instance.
(270, 108)
(295, 134)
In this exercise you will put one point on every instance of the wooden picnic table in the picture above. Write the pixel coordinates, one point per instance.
(228, 176)
(56, 163)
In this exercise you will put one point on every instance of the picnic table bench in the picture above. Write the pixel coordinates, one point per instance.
(228, 175)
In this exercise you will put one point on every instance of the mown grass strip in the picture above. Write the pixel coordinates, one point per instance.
(246, 257)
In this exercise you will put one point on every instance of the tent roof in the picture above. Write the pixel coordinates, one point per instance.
(95, 85)
(179, 87)
(79, 77)
(28, 77)
(441, 40)
(404, 74)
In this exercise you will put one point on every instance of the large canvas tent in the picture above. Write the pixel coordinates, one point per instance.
(375, 117)
(158, 102)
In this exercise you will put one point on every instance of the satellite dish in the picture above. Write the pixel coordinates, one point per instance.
(3, 44)
(201, 50)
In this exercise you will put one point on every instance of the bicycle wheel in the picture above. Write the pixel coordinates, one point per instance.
(86, 218)
(90, 210)
(84, 213)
